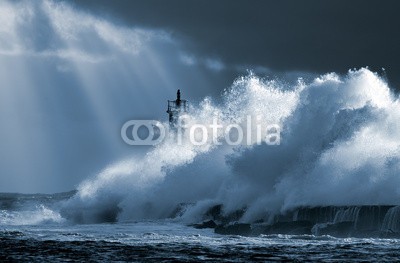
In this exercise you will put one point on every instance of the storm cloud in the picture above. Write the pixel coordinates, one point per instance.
(280, 36)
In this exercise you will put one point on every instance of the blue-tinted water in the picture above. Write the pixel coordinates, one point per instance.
(167, 241)
(31, 230)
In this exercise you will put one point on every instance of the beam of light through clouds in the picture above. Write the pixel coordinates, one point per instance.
(69, 80)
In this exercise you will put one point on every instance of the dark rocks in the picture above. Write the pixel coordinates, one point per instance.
(216, 213)
(389, 234)
(206, 224)
(234, 229)
(290, 228)
(338, 221)
(371, 218)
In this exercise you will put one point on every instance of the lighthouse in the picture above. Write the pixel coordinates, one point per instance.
(176, 108)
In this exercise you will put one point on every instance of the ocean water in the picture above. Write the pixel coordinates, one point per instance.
(155, 241)
(32, 230)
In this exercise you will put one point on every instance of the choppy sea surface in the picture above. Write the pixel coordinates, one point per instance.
(31, 230)
(164, 241)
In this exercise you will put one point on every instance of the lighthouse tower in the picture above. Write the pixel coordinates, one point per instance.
(176, 108)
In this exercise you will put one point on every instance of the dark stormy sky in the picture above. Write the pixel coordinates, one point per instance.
(311, 36)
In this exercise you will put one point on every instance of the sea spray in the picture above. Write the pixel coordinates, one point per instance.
(339, 146)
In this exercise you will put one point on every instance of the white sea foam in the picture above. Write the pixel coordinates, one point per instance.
(339, 146)
(38, 214)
